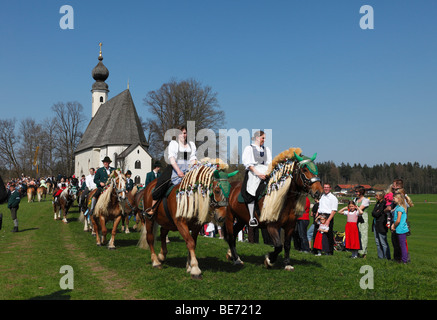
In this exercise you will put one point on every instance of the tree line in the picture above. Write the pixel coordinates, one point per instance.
(417, 178)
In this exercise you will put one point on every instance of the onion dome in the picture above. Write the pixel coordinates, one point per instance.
(100, 73)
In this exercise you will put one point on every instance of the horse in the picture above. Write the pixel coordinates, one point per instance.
(291, 178)
(110, 206)
(31, 193)
(64, 202)
(84, 216)
(199, 198)
(49, 187)
(41, 191)
(130, 208)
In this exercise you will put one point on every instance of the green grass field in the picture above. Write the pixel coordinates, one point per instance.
(30, 263)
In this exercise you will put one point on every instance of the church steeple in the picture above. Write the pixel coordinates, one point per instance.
(99, 89)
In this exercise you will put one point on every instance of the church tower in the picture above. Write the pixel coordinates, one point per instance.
(99, 89)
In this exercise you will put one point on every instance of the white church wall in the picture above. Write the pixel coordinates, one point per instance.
(144, 163)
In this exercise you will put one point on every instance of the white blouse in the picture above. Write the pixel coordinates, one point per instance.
(248, 158)
(174, 147)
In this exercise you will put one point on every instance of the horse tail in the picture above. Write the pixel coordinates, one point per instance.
(142, 243)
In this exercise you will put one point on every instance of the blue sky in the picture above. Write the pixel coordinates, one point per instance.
(304, 69)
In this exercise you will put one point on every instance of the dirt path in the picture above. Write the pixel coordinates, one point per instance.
(111, 281)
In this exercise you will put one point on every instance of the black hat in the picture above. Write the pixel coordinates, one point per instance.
(107, 159)
(128, 172)
(157, 164)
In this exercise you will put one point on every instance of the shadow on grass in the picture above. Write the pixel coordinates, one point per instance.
(58, 295)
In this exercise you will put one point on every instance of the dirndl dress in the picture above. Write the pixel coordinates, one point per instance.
(352, 240)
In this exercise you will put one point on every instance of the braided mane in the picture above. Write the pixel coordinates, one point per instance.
(192, 197)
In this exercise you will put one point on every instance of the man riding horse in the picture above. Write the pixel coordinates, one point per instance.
(100, 179)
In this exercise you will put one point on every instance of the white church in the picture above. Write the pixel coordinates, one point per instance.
(114, 131)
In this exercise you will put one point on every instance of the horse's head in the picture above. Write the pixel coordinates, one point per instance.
(307, 172)
(221, 189)
(119, 183)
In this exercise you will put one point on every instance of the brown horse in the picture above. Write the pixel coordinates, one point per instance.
(31, 193)
(292, 177)
(41, 192)
(110, 206)
(49, 187)
(131, 208)
(200, 197)
(64, 202)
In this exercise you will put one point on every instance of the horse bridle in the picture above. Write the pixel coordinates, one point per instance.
(306, 182)
(118, 191)
(223, 202)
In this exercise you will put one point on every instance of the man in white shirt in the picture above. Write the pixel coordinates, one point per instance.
(89, 180)
(328, 206)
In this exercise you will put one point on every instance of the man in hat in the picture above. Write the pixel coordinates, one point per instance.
(154, 174)
(129, 181)
(100, 179)
(13, 204)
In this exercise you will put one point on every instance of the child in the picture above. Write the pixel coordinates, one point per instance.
(61, 187)
(321, 242)
(400, 226)
(351, 229)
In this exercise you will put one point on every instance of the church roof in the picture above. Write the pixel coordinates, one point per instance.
(116, 122)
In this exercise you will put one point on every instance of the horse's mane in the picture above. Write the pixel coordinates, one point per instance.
(134, 191)
(104, 199)
(279, 183)
(193, 194)
(103, 202)
(64, 193)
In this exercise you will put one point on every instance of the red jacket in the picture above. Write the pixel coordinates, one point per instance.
(306, 215)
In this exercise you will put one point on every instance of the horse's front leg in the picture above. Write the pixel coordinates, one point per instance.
(270, 258)
(111, 244)
(95, 221)
(192, 263)
(150, 237)
(230, 234)
(163, 253)
(104, 229)
(64, 212)
(287, 246)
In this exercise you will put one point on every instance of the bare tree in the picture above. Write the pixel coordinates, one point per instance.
(31, 134)
(176, 103)
(47, 149)
(68, 124)
(8, 144)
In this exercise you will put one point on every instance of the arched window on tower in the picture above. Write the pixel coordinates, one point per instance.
(101, 99)
(138, 164)
(137, 180)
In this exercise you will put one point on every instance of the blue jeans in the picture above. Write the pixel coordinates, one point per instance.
(382, 246)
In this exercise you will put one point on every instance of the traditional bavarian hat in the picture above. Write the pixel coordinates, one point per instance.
(106, 159)
(128, 172)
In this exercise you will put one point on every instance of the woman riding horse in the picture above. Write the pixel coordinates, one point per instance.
(291, 178)
(202, 191)
(181, 154)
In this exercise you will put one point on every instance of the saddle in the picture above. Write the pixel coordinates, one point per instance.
(241, 200)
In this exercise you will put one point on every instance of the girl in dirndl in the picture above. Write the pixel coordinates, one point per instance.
(352, 241)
